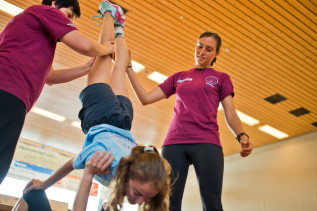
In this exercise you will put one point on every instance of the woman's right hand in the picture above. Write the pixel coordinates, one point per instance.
(109, 46)
(34, 184)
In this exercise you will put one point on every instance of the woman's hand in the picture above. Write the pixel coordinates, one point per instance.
(99, 163)
(90, 63)
(109, 46)
(34, 184)
(246, 146)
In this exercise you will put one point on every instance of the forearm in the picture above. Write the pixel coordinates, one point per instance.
(137, 87)
(144, 97)
(82, 195)
(234, 123)
(83, 45)
(231, 116)
(59, 174)
(92, 48)
(66, 75)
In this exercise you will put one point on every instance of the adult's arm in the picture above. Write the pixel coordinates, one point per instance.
(235, 125)
(98, 164)
(66, 75)
(83, 45)
(143, 96)
(55, 177)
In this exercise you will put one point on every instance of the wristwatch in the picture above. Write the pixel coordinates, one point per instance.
(241, 134)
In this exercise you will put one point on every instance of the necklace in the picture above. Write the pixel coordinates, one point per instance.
(202, 68)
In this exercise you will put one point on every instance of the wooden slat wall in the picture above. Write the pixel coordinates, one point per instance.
(272, 50)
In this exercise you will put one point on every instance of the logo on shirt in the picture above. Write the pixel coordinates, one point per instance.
(186, 79)
(71, 24)
(211, 80)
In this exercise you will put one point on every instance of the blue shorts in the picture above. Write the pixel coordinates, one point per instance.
(102, 106)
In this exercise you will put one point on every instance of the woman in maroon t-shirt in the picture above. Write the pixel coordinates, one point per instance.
(193, 136)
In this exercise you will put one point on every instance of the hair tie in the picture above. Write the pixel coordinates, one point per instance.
(148, 150)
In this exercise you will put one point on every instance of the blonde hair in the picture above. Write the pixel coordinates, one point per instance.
(142, 165)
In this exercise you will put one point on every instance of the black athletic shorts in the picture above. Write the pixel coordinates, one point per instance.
(102, 106)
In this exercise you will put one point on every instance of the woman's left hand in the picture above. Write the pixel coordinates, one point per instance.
(246, 146)
(99, 163)
(90, 63)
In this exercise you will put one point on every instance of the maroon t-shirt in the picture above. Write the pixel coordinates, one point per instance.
(27, 48)
(198, 93)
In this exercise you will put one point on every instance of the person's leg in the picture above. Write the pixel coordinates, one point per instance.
(98, 98)
(20, 205)
(118, 79)
(37, 201)
(12, 114)
(100, 72)
(176, 156)
(208, 163)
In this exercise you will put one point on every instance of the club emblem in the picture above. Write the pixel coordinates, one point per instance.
(211, 80)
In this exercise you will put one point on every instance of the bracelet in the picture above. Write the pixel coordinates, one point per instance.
(129, 66)
(241, 134)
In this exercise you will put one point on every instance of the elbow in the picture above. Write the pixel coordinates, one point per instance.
(49, 82)
(143, 102)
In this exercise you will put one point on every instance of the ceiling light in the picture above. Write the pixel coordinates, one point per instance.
(157, 77)
(247, 119)
(9, 8)
(137, 67)
(273, 132)
(76, 124)
(48, 114)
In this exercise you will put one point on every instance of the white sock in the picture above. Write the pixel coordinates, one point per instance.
(118, 32)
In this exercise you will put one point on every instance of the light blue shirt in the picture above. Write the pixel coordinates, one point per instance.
(105, 137)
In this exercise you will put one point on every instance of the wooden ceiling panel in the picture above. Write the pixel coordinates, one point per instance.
(268, 47)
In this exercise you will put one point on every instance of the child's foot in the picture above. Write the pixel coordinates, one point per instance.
(115, 10)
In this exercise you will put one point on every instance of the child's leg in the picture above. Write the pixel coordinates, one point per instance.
(118, 81)
(21, 205)
(107, 103)
(101, 69)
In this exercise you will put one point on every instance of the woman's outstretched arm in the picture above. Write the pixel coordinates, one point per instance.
(55, 177)
(98, 164)
(143, 96)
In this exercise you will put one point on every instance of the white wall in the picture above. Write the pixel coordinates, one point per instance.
(277, 177)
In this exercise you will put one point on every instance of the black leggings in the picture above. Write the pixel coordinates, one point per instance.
(208, 163)
(12, 115)
(37, 201)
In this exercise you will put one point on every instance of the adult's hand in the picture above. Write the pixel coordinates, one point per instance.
(109, 46)
(99, 163)
(34, 184)
(246, 146)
